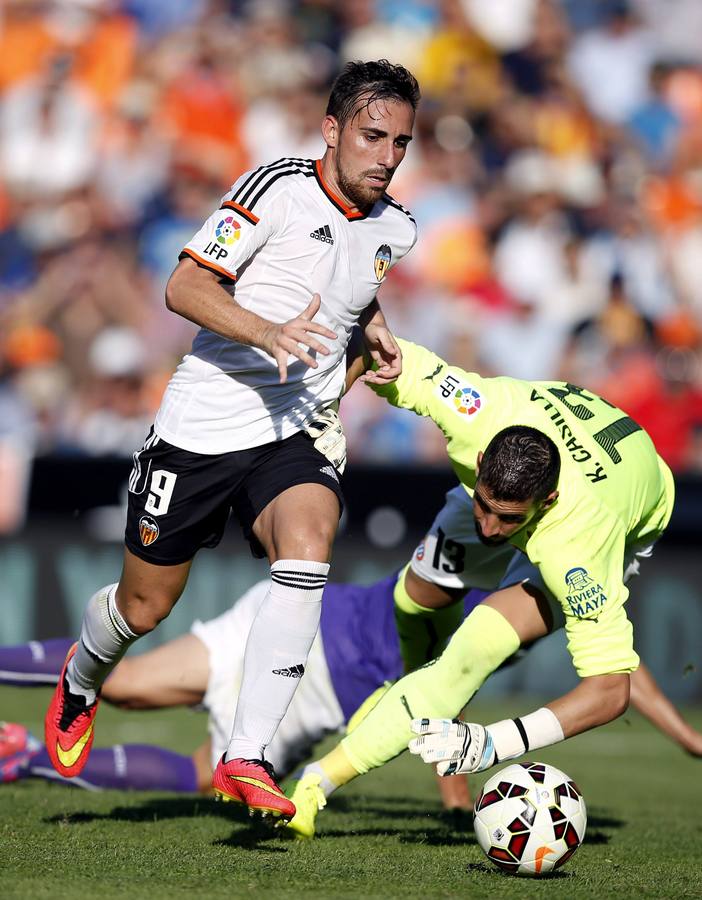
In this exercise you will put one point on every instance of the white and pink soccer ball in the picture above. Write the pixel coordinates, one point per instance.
(530, 818)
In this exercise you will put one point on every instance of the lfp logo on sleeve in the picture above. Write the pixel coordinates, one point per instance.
(463, 397)
(228, 231)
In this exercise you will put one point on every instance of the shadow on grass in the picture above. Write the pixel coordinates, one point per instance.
(494, 872)
(153, 810)
(438, 838)
(257, 838)
(595, 820)
(420, 826)
(398, 808)
(256, 834)
(387, 807)
(410, 822)
(597, 837)
(598, 824)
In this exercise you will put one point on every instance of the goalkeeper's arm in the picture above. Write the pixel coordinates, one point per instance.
(468, 747)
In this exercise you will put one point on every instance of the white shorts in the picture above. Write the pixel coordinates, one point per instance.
(453, 556)
(313, 712)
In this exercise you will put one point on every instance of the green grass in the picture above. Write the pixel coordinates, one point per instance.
(382, 837)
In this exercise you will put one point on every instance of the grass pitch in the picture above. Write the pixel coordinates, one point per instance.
(382, 837)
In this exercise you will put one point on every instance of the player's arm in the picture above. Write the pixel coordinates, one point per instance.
(413, 388)
(358, 359)
(454, 792)
(647, 697)
(595, 701)
(381, 346)
(460, 747)
(427, 386)
(600, 640)
(196, 293)
(227, 240)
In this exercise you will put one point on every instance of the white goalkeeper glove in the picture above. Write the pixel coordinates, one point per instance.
(327, 432)
(457, 747)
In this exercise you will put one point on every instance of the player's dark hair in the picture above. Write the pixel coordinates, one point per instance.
(362, 83)
(520, 463)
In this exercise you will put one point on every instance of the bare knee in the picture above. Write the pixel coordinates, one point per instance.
(142, 610)
(311, 541)
(300, 523)
(146, 593)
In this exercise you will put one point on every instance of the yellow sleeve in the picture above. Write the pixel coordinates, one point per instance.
(414, 388)
(602, 646)
(582, 564)
(431, 387)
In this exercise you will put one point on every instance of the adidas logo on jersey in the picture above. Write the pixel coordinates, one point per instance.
(292, 672)
(322, 234)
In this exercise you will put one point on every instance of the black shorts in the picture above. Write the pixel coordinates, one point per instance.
(180, 501)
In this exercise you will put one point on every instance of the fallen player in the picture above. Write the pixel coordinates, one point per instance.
(353, 657)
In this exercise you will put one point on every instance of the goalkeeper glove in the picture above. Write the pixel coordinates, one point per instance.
(457, 747)
(327, 432)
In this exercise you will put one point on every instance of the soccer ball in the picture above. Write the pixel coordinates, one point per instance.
(530, 818)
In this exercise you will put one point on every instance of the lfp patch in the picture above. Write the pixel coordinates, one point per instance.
(461, 396)
(383, 258)
(467, 401)
(228, 231)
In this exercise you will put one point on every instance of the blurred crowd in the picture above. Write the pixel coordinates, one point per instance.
(555, 176)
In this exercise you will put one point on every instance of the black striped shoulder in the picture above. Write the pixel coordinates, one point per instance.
(386, 198)
(247, 193)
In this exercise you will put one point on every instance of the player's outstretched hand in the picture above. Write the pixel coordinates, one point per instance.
(385, 353)
(290, 339)
(456, 747)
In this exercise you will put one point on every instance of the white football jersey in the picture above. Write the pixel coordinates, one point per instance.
(279, 236)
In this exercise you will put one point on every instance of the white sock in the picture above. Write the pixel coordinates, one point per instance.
(276, 652)
(104, 639)
(314, 768)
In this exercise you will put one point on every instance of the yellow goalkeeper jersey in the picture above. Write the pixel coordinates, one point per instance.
(615, 494)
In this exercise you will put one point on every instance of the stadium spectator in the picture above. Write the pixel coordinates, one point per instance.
(611, 62)
(201, 110)
(48, 133)
(458, 67)
(18, 437)
(131, 117)
(655, 124)
(134, 159)
(112, 412)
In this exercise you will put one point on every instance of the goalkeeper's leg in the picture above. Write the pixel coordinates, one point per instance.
(424, 630)
(439, 689)
(489, 636)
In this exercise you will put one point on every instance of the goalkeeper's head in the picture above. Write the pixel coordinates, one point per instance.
(517, 482)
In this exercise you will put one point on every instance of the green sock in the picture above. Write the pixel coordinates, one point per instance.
(423, 632)
(438, 690)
